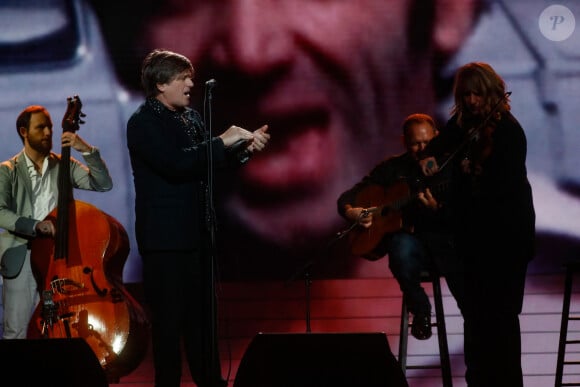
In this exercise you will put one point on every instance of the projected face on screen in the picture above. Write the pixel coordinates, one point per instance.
(333, 79)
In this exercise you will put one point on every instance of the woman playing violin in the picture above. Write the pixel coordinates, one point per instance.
(485, 149)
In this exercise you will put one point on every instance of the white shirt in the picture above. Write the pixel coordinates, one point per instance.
(43, 192)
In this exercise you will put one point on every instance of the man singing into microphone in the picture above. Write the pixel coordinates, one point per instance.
(168, 148)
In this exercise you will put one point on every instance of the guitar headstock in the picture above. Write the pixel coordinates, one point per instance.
(73, 116)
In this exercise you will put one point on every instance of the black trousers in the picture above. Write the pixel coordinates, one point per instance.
(182, 305)
(494, 293)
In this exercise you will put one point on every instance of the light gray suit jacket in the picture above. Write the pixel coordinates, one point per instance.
(16, 201)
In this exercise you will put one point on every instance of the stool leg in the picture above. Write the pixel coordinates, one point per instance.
(442, 334)
(403, 335)
(564, 327)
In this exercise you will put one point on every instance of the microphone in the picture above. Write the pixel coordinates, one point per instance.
(211, 83)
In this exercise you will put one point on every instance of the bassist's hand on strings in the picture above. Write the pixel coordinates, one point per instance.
(45, 227)
(76, 142)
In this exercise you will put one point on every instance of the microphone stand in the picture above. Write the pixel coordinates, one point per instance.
(305, 272)
(212, 370)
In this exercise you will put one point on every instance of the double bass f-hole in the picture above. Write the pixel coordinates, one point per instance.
(99, 291)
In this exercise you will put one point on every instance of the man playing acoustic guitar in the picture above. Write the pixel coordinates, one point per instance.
(393, 211)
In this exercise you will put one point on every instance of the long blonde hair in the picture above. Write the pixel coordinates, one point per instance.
(481, 79)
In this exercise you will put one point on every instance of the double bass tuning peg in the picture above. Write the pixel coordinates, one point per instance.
(80, 117)
(72, 117)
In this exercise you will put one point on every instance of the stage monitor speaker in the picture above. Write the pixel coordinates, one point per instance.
(50, 363)
(319, 360)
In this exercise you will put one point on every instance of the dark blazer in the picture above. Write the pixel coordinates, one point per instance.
(495, 209)
(170, 171)
(16, 201)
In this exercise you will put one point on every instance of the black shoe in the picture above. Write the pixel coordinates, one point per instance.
(421, 326)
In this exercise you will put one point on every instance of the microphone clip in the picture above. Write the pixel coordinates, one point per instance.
(210, 84)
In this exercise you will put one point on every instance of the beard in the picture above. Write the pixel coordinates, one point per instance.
(42, 146)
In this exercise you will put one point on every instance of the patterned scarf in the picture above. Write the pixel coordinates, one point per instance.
(187, 119)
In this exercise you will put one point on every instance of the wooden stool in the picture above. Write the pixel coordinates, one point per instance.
(572, 267)
(439, 323)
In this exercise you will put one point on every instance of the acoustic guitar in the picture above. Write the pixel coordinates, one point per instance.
(386, 205)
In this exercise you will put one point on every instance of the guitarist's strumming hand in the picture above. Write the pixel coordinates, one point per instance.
(361, 216)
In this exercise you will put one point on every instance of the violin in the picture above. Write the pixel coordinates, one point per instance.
(480, 147)
(477, 144)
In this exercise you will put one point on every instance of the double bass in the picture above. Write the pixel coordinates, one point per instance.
(79, 276)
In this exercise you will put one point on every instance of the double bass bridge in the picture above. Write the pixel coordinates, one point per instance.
(66, 286)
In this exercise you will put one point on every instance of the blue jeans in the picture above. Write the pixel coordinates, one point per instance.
(409, 254)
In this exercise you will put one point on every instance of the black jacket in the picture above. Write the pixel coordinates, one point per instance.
(494, 209)
(169, 161)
